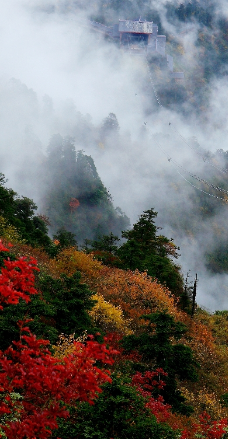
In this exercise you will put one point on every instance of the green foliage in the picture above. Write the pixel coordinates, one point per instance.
(106, 243)
(156, 345)
(119, 413)
(42, 324)
(4, 255)
(19, 214)
(217, 260)
(145, 250)
(189, 11)
(224, 400)
(65, 238)
(185, 299)
(105, 249)
(71, 301)
(61, 307)
(7, 197)
(223, 313)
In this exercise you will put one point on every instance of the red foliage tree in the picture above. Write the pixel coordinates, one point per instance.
(146, 384)
(16, 279)
(212, 429)
(45, 384)
(206, 428)
(74, 204)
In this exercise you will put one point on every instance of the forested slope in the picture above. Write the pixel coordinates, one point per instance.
(167, 376)
(100, 336)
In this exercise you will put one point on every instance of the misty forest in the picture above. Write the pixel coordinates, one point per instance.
(114, 219)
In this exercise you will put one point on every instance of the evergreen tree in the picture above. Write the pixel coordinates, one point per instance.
(156, 345)
(61, 306)
(145, 250)
(110, 126)
(19, 212)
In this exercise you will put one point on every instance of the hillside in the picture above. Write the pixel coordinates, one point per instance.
(113, 219)
(168, 369)
(111, 142)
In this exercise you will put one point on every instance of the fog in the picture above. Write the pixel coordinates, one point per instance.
(57, 75)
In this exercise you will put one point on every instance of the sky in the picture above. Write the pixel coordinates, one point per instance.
(52, 68)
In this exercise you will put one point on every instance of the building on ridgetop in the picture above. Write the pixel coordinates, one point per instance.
(139, 37)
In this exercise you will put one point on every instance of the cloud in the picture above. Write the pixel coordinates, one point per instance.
(62, 71)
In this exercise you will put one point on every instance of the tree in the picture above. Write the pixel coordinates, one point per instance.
(147, 251)
(60, 306)
(55, 150)
(71, 300)
(176, 359)
(24, 208)
(40, 313)
(120, 412)
(35, 386)
(18, 213)
(6, 198)
(46, 384)
(17, 279)
(64, 238)
(104, 248)
(106, 243)
(110, 126)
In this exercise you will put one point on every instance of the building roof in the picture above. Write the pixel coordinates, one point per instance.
(137, 27)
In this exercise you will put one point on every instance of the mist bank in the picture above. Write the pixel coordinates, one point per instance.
(58, 77)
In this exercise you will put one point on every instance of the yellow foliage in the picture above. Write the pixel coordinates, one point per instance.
(70, 260)
(9, 232)
(123, 297)
(109, 317)
(219, 324)
(134, 292)
(66, 345)
(204, 400)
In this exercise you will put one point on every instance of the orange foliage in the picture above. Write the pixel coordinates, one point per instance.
(136, 294)
(181, 422)
(28, 251)
(199, 337)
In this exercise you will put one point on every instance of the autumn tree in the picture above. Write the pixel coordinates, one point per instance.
(60, 306)
(64, 238)
(120, 411)
(155, 344)
(35, 386)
